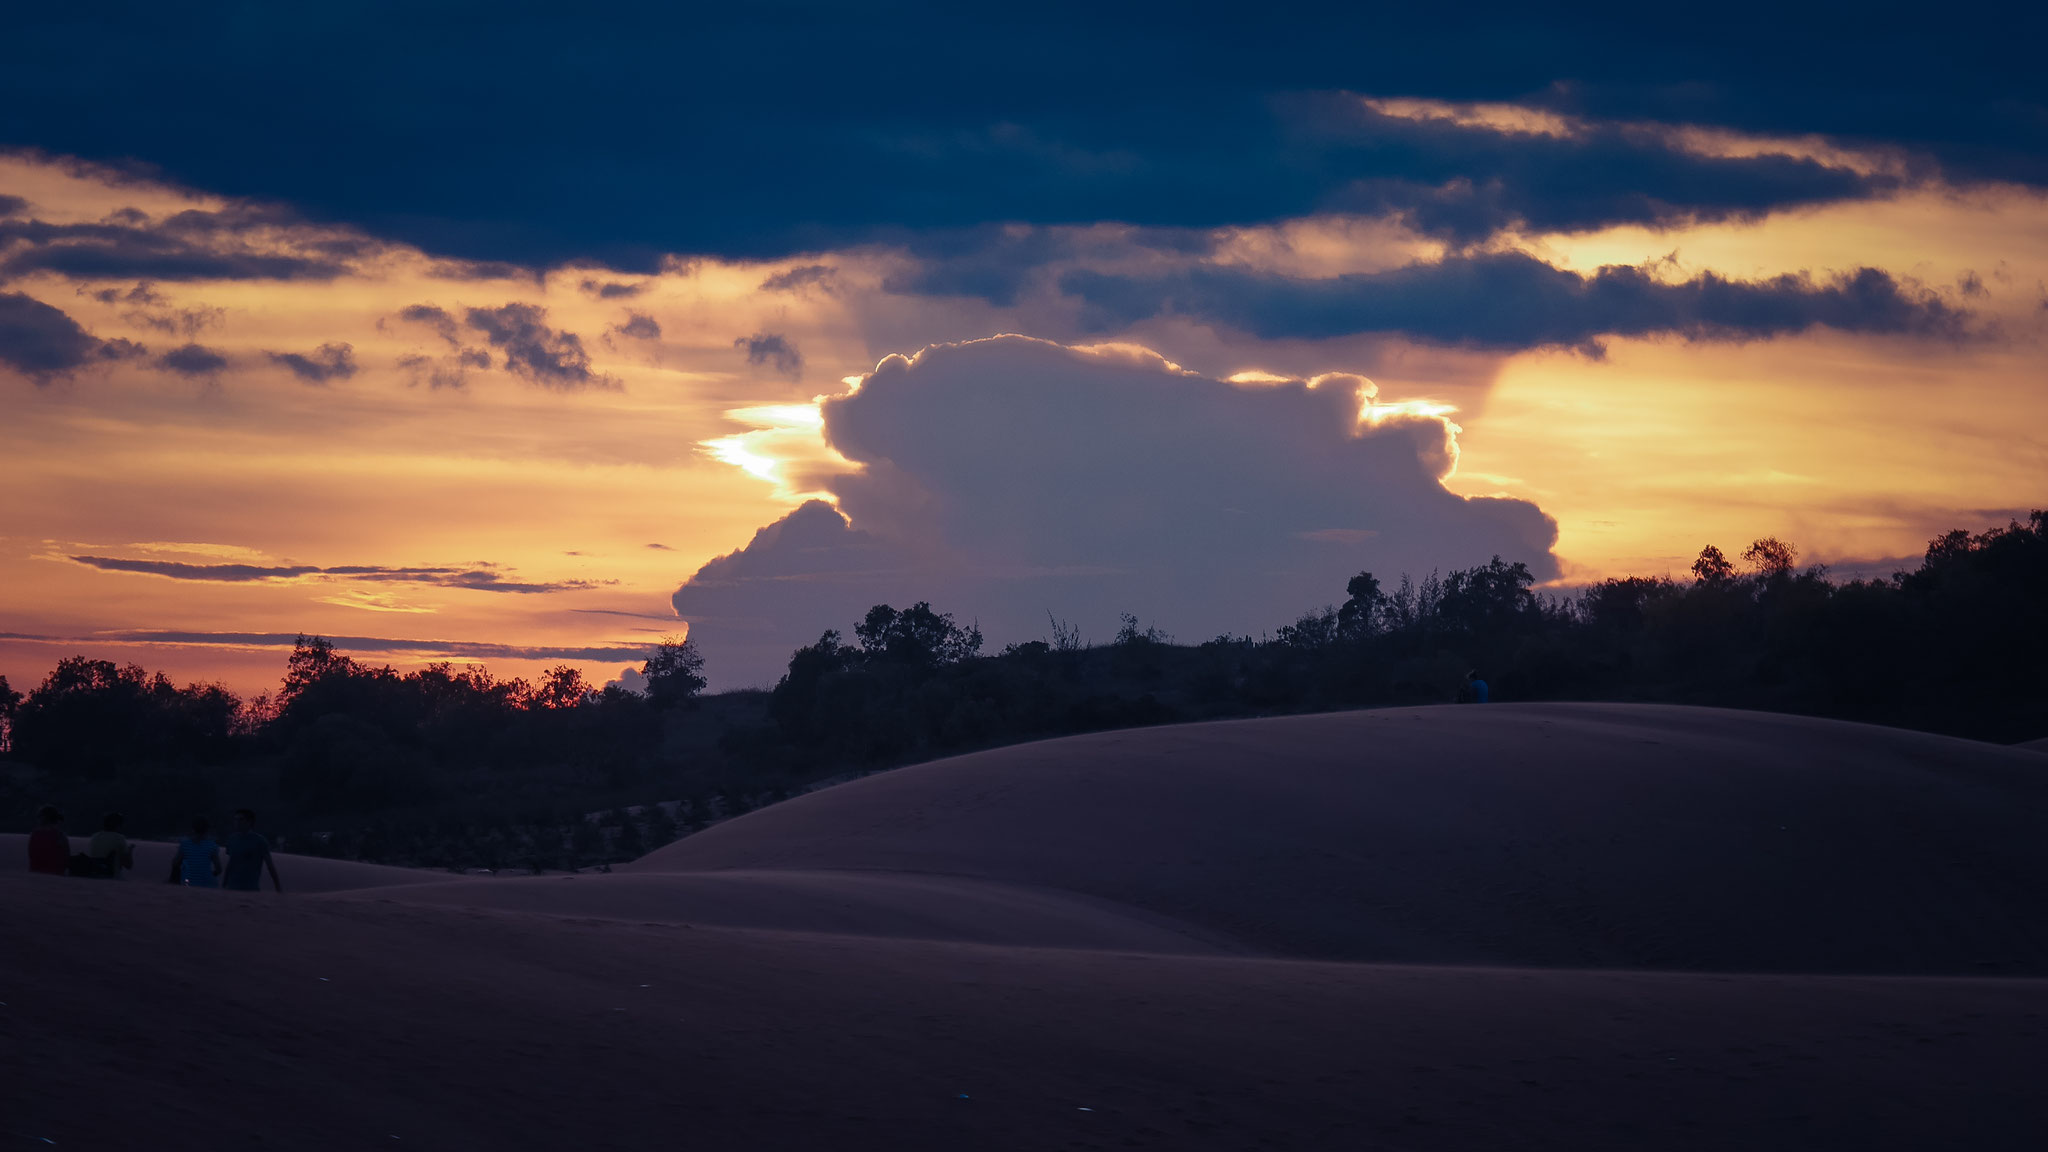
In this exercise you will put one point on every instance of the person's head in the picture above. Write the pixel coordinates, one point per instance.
(245, 820)
(200, 827)
(49, 815)
(1473, 674)
(112, 821)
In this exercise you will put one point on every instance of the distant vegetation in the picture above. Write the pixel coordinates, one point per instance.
(450, 767)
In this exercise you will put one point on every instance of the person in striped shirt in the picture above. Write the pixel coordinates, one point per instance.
(196, 863)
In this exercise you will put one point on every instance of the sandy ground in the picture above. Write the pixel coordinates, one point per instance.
(1413, 929)
(300, 874)
(1581, 835)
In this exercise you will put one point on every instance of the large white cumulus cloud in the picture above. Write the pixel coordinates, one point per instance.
(1010, 478)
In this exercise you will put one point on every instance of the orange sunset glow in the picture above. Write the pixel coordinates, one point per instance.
(551, 516)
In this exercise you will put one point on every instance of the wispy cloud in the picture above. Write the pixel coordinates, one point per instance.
(480, 578)
(374, 645)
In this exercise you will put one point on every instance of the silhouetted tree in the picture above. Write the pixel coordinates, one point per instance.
(675, 673)
(916, 637)
(562, 686)
(1770, 557)
(1712, 567)
(93, 717)
(1318, 629)
(1494, 598)
(1129, 633)
(1364, 608)
(10, 700)
(313, 659)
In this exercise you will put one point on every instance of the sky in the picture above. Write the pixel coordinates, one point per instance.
(530, 335)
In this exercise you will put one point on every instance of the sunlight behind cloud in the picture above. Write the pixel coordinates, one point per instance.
(786, 447)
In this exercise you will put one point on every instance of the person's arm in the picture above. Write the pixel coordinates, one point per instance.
(270, 862)
(177, 859)
(216, 862)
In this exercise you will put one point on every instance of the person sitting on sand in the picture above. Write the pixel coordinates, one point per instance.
(110, 851)
(248, 856)
(196, 863)
(1474, 690)
(49, 850)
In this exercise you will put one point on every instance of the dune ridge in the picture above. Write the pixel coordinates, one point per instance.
(1628, 836)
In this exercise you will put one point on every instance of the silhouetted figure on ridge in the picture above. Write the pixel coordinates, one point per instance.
(196, 863)
(49, 850)
(248, 856)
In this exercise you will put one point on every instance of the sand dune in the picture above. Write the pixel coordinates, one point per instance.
(1171, 938)
(890, 905)
(2040, 745)
(1582, 835)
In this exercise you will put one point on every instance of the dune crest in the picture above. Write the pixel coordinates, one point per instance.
(1593, 835)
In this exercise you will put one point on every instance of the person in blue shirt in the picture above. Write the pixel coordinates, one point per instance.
(1475, 690)
(248, 856)
(196, 862)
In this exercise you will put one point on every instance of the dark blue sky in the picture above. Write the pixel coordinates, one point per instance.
(538, 134)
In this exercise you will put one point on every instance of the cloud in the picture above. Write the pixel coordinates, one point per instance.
(12, 206)
(798, 279)
(237, 243)
(612, 289)
(1200, 130)
(192, 360)
(997, 263)
(546, 356)
(772, 348)
(450, 371)
(373, 645)
(480, 270)
(1466, 178)
(1513, 301)
(328, 362)
(479, 578)
(43, 343)
(639, 327)
(433, 316)
(144, 305)
(1004, 478)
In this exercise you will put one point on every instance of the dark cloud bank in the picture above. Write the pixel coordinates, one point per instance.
(1511, 301)
(1008, 478)
(1189, 115)
(191, 245)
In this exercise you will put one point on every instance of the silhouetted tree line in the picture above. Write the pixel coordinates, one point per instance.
(452, 767)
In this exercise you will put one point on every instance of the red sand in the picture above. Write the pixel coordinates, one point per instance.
(608, 1012)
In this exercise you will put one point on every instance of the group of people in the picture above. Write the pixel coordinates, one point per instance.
(196, 862)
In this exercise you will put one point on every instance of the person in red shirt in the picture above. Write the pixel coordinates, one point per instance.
(49, 850)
